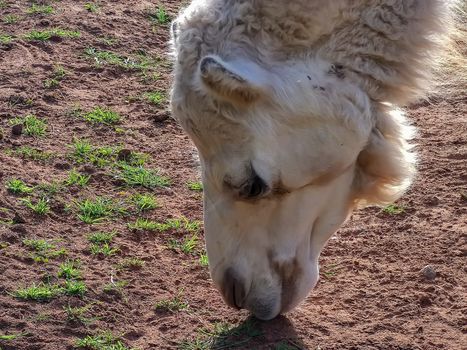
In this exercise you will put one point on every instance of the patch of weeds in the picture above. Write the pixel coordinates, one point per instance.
(79, 314)
(159, 16)
(101, 115)
(48, 190)
(139, 62)
(40, 207)
(44, 35)
(84, 152)
(130, 263)
(224, 336)
(27, 152)
(203, 260)
(70, 269)
(97, 210)
(132, 158)
(174, 304)
(74, 288)
(140, 176)
(40, 292)
(3, 4)
(183, 223)
(43, 250)
(10, 19)
(393, 209)
(187, 245)
(40, 9)
(100, 243)
(155, 98)
(142, 224)
(5, 39)
(17, 186)
(144, 202)
(9, 337)
(4, 245)
(195, 186)
(57, 76)
(76, 178)
(91, 7)
(102, 341)
(32, 126)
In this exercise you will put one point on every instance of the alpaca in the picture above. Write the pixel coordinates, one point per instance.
(295, 109)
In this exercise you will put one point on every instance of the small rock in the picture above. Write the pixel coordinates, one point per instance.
(428, 272)
(62, 165)
(124, 154)
(17, 129)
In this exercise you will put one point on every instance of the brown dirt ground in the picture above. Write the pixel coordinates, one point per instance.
(371, 294)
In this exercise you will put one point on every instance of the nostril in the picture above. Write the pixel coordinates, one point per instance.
(233, 289)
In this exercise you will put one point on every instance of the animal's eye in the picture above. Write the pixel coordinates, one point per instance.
(255, 187)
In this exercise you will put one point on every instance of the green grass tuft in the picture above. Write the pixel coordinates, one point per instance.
(17, 186)
(100, 243)
(140, 176)
(393, 209)
(70, 269)
(195, 186)
(27, 152)
(76, 178)
(43, 250)
(174, 304)
(5, 39)
(102, 341)
(144, 202)
(40, 292)
(159, 16)
(91, 7)
(44, 35)
(32, 126)
(40, 9)
(97, 210)
(101, 115)
(74, 288)
(10, 19)
(130, 263)
(155, 98)
(40, 207)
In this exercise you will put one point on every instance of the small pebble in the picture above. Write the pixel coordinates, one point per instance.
(429, 272)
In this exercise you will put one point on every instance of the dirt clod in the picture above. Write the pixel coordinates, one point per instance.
(17, 129)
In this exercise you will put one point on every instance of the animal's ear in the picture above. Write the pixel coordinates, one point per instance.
(237, 82)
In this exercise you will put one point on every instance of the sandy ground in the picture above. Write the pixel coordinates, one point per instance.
(372, 293)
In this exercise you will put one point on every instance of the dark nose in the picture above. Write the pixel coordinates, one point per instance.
(233, 289)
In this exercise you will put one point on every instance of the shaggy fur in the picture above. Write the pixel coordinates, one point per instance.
(298, 93)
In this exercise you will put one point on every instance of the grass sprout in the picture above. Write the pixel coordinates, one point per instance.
(32, 126)
(144, 202)
(100, 115)
(17, 186)
(101, 341)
